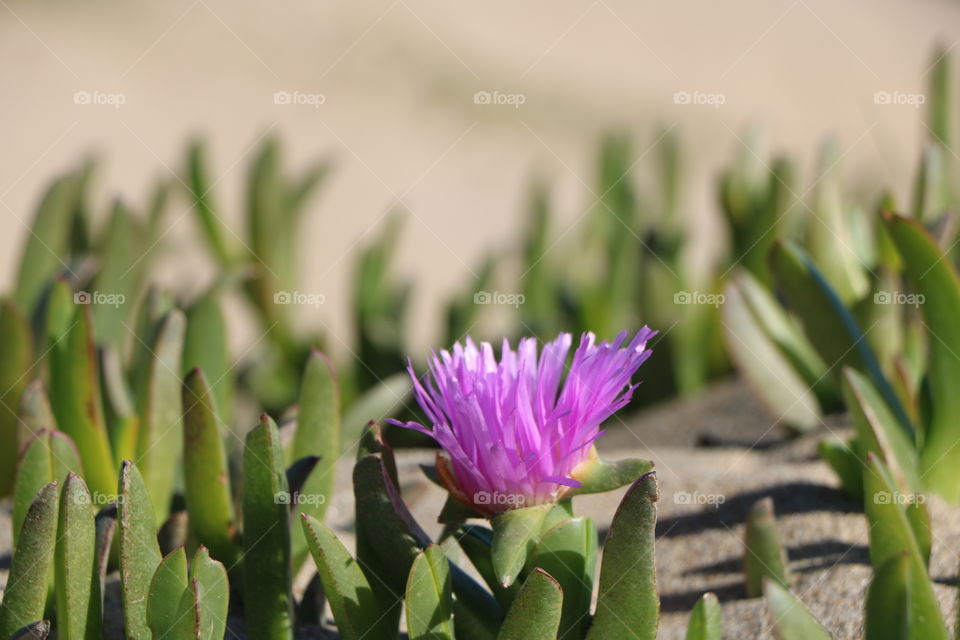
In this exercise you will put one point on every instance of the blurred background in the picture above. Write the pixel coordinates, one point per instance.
(386, 91)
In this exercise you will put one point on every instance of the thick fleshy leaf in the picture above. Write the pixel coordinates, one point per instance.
(568, 552)
(935, 280)
(901, 604)
(214, 594)
(879, 432)
(354, 607)
(515, 532)
(706, 619)
(160, 445)
(16, 362)
(49, 456)
(599, 476)
(775, 380)
(105, 524)
(919, 518)
(139, 551)
(429, 597)
(76, 574)
(76, 401)
(828, 323)
(536, 611)
(205, 348)
(116, 285)
(884, 504)
(206, 474)
(266, 535)
(475, 540)
(317, 434)
(35, 413)
(628, 605)
(763, 555)
(166, 593)
(25, 594)
(199, 183)
(47, 250)
(791, 619)
(123, 424)
(845, 462)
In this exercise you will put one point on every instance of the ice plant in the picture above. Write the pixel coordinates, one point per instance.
(516, 430)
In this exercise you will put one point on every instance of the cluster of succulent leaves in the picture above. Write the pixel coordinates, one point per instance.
(858, 311)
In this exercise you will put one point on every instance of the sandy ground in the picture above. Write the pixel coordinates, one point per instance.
(397, 80)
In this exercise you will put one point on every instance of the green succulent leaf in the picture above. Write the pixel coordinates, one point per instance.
(934, 278)
(568, 552)
(599, 476)
(165, 596)
(890, 529)
(35, 415)
(627, 604)
(879, 432)
(515, 532)
(901, 604)
(76, 574)
(139, 550)
(47, 250)
(429, 597)
(160, 445)
(213, 594)
(764, 557)
(377, 403)
(16, 347)
(266, 535)
(475, 540)
(49, 456)
(199, 185)
(205, 348)
(536, 611)
(828, 323)
(777, 380)
(206, 474)
(354, 606)
(76, 401)
(791, 619)
(317, 434)
(25, 595)
(845, 462)
(706, 619)
(122, 261)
